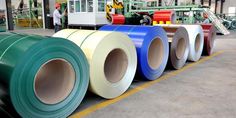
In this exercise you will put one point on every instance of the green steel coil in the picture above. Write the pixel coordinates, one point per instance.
(233, 24)
(43, 77)
(227, 24)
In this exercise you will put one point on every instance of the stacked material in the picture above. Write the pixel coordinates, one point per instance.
(152, 48)
(42, 77)
(209, 38)
(196, 40)
(49, 76)
(112, 58)
(164, 16)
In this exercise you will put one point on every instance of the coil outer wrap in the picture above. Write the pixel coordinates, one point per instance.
(152, 55)
(21, 58)
(112, 58)
(209, 38)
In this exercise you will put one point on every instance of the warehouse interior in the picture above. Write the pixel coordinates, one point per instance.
(118, 58)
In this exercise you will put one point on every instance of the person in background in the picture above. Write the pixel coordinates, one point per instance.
(206, 20)
(57, 17)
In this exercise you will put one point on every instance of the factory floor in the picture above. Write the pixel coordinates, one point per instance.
(204, 89)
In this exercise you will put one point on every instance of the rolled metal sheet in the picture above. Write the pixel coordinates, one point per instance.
(179, 41)
(227, 24)
(112, 58)
(152, 48)
(164, 15)
(118, 19)
(196, 40)
(233, 24)
(209, 38)
(42, 76)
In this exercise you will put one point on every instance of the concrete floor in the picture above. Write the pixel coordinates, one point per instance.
(43, 32)
(206, 90)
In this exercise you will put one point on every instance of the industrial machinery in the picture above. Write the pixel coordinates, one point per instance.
(135, 12)
(28, 15)
(185, 14)
(228, 20)
(113, 17)
(100, 12)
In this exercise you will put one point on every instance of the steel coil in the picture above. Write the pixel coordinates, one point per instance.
(43, 76)
(112, 58)
(152, 48)
(118, 19)
(209, 38)
(233, 24)
(196, 40)
(227, 24)
(164, 15)
(179, 45)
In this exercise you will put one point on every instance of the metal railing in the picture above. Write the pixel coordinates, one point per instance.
(29, 17)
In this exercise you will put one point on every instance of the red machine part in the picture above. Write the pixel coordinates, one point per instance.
(164, 15)
(209, 38)
(118, 19)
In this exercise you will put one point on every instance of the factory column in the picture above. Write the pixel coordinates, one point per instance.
(9, 15)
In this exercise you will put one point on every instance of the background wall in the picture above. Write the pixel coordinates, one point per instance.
(229, 3)
(2, 4)
(52, 6)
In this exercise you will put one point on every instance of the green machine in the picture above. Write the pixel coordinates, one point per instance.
(64, 18)
(187, 14)
(137, 11)
(30, 16)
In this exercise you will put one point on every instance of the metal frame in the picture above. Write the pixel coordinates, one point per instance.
(10, 24)
(191, 9)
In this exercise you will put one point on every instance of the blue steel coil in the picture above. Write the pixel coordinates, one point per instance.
(152, 47)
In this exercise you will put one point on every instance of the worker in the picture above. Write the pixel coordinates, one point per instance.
(57, 17)
(206, 20)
